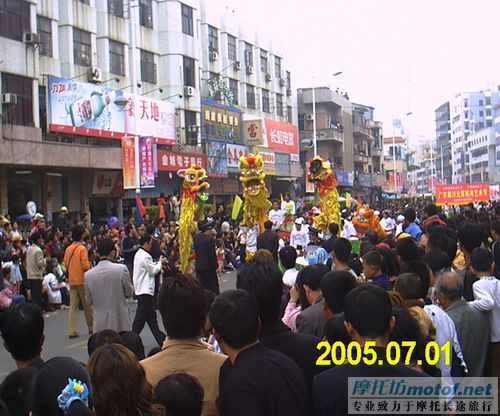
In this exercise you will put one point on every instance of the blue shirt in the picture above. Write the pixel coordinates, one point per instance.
(382, 281)
(414, 230)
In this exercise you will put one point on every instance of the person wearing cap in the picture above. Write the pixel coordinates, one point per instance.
(206, 257)
(299, 237)
(61, 221)
(400, 219)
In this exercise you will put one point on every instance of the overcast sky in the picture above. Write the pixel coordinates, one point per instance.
(398, 56)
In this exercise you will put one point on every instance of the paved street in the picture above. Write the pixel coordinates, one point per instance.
(57, 342)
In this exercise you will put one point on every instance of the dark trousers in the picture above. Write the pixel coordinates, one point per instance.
(36, 292)
(209, 280)
(146, 313)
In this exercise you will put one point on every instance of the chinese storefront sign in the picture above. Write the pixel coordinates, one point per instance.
(128, 164)
(234, 152)
(92, 110)
(281, 136)
(146, 162)
(253, 132)
(463, 193)
(269, 161)
(172, 162)
(220, 122)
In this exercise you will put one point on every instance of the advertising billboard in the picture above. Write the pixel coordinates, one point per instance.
(462, 193)
(281, 136)
(146, 162)
(217, 159)
(91, 110)
(128, 164)
(220, 122)
(234, 152)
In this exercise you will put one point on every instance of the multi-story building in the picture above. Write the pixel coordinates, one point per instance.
(470, 112)
(346, 135)
(395, 164)
(483, 154)
(422, 171)
(165, 54)
(443, 143)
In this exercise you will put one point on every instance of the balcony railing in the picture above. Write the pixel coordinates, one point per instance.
(361, 158)
(330, 134)
(362, 130)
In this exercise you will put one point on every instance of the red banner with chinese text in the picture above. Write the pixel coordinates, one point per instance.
(128, 164)
(463, 193)
(171, 161)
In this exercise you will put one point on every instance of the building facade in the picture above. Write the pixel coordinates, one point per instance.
(443, 143)
(482, 152)
(173, 52)
(396, 157)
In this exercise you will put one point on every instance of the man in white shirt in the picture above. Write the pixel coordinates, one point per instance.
(277, 216)
(252, 235)
(387, 223)
(487, 298)
(144, 288)
(348, 230)
(299, 236)
(399, 224)
(287, 205)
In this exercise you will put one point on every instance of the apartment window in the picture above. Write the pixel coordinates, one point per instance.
(148, 67)
(116, 57)
(44, 26)
(213, 39)
(20, 114)
(87, 2)
(146, 13)
(263, 61)
(191, 128)
(488, 113)
(233, 86)
(279, 104)
(488, 100)
(82, 48)
(288, 80)
(289, 115)
(480, 102)
(115, 7)
(231, 48)
(466, 104)
(488, 123)
(265, 101)
(481, 113)
(250, 96)
(277, 67)
(248, 54)
(189, 71)
(14, 19)
(187, 20)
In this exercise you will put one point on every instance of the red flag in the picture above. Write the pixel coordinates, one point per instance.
(141, 211)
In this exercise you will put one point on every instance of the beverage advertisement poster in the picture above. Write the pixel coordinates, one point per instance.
(91, 110)
(217, 159)
(128, 164)
(146, 162)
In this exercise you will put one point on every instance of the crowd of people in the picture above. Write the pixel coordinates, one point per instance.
(431, 276)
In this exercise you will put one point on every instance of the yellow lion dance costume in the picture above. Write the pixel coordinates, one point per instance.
(194, 194)
(320, 173)
(255, 193)
(365, 220)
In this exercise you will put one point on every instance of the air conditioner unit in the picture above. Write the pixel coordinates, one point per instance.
(214, 55)
(309, 117)
(269, 77)
(9, 98)
(237, 65)
(189, 91)
(31, 38)
(250, 69)
(282, 82)
(95, 74)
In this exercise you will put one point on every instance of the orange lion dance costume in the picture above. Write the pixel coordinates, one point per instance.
(365, 220)
(320, 173)
(194, 194)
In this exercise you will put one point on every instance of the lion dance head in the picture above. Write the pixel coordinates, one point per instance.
(194, 184)
(320, 173)
(365, 220)
(256, 195)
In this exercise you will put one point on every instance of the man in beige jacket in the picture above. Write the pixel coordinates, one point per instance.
(183, 306)
(35, 268)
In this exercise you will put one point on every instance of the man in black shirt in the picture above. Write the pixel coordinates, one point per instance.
(470, 236)
(206, 258)
(268, 240)
(333, 228)
(130, 245)
(254, 380)
(330, 388)
(262, 278)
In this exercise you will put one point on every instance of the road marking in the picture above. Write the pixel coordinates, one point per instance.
(80, 344)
